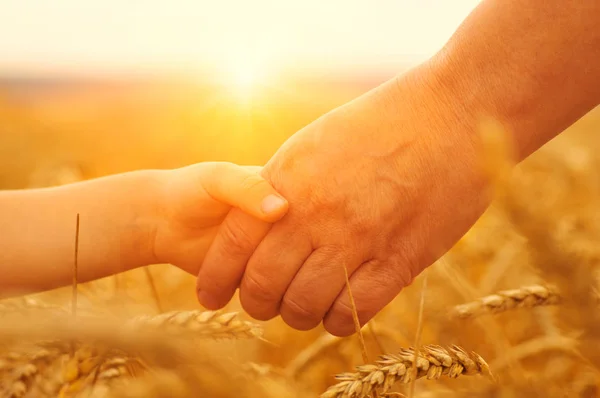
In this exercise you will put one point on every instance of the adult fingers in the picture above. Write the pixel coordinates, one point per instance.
(373, 286)
(271, 269)
(316, 286)
(244, 188)
(226, 259)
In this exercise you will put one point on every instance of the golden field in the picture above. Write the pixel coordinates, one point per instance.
(512, 307)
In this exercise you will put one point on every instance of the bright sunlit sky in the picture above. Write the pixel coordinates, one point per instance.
(119, 36)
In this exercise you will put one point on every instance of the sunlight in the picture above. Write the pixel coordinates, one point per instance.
(245, 79)
(245, 75)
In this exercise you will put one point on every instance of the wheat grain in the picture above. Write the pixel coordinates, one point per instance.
(432, 362)
(211, 324)
(23, 368)
(120, 366)
(506, 300)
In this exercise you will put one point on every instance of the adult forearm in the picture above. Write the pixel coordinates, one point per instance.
(532, 64)
(37, 231)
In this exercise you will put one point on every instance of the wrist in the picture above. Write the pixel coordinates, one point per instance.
(442, 127)
(534, 98)
(146, 217)
(479, 88)
(432, 95)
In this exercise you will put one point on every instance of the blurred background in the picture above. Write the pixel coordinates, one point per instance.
(89, 88)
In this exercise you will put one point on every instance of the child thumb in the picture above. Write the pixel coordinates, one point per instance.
(244, 188)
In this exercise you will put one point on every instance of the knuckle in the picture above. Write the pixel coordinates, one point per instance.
(208, 169)
(362, 224)
(400, 276)
(344, 312)
(256, 289)
(237, 240)
(252, 182)
(387, 276)
(298, 315)
(399, 271)
(332, 252)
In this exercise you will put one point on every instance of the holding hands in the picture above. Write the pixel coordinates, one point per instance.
(382, 185)
(374, 186)
(387, 183)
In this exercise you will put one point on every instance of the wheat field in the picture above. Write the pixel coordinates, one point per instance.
(510, 311)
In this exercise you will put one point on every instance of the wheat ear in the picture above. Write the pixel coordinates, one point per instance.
(523, 297)
(432, 362)
(20, 371)
(211, 324)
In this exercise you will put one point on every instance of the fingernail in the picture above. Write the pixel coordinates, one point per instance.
(272, 204)
(207, 300)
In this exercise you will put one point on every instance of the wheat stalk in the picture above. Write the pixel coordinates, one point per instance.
(213, 324)
(506, 300)
(432, 362)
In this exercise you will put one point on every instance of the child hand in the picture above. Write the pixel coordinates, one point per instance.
(196, 199)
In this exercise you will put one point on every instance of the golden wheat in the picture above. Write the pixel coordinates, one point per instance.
(506, 300)
(212, 324)
(432, 362)
(22, 369)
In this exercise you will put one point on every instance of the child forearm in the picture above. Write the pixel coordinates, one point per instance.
(37, 230)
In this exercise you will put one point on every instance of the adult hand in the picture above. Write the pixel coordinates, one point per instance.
(387, 183)
(383, 186)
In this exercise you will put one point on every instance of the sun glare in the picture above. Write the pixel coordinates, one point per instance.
(244, 76)
(245, 79)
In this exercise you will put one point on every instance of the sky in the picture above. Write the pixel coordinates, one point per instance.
(120, 36)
